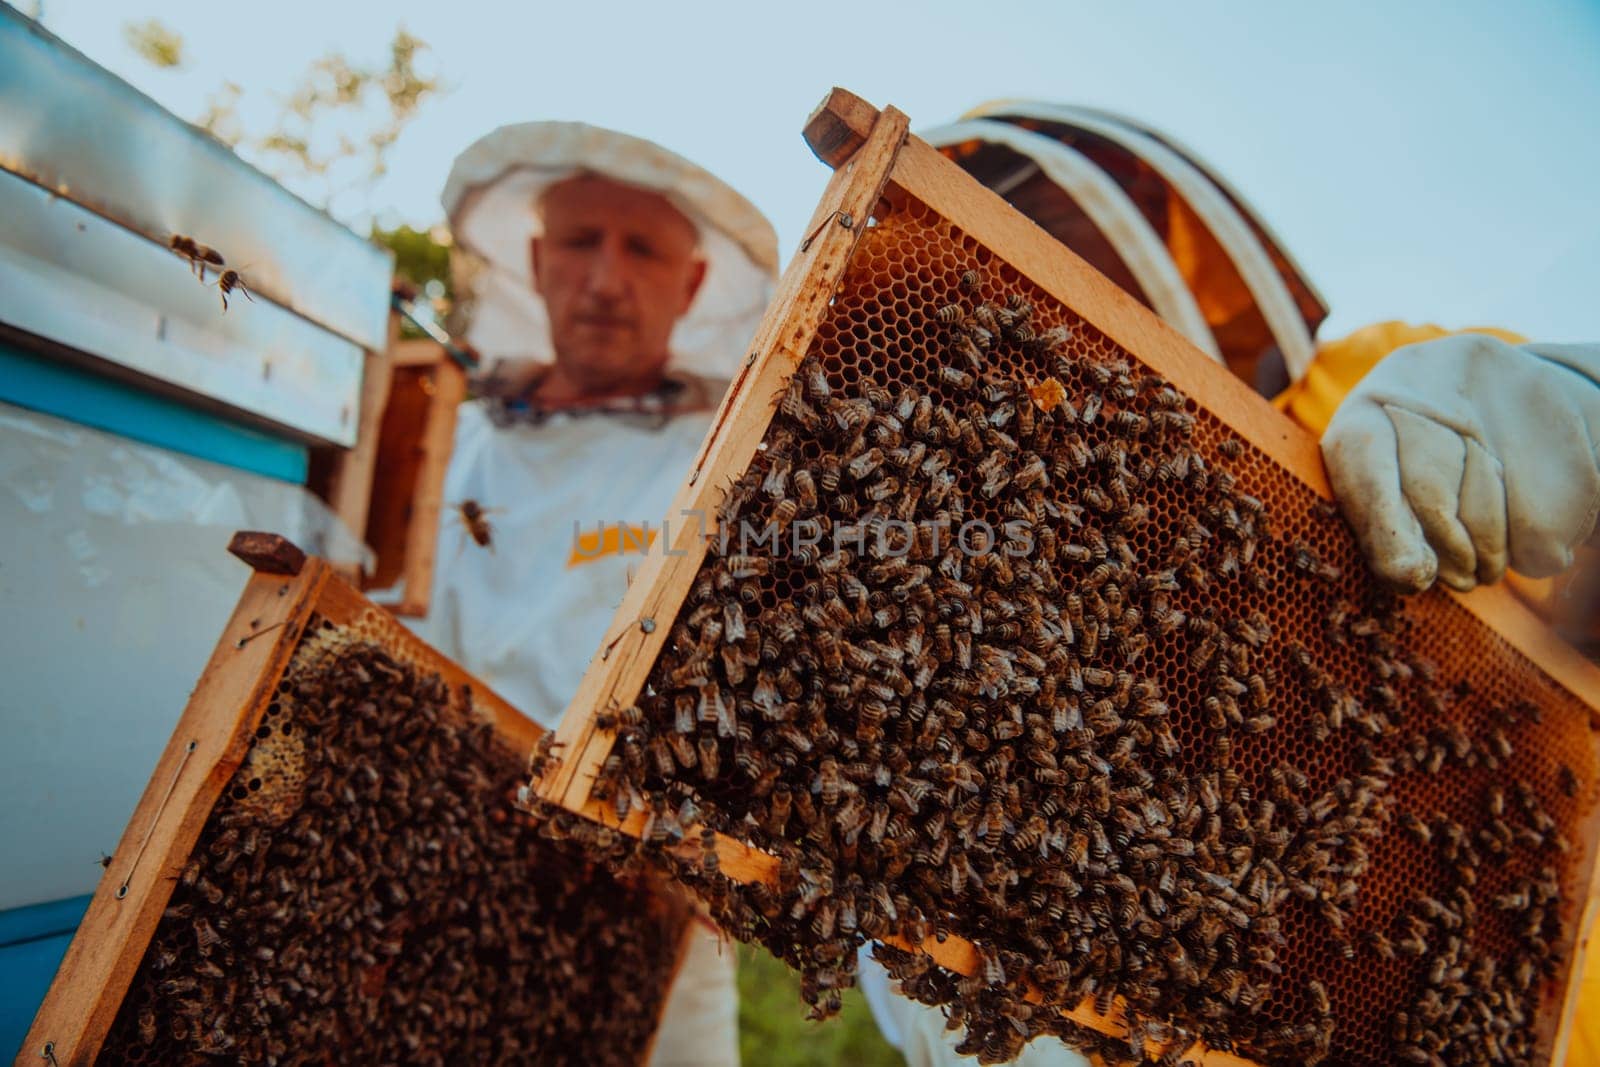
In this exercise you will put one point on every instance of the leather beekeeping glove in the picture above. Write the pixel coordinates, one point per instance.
(1460, 456)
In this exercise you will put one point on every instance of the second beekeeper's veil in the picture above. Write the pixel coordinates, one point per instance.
(490, 200)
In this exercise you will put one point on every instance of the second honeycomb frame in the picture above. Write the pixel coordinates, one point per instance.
(286, 591)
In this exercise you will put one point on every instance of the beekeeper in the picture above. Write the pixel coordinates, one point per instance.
(612, 286)
(1454, 455)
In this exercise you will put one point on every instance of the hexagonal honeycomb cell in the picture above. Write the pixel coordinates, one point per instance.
(1149, 732)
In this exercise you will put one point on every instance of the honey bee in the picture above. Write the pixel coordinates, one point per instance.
(474, 520)
(200, 257)
(816, 382)
(793, 406)
(227, 282)
(710, 758)
(543, 758)
(745, 566)
(630, 716)
(954, 376)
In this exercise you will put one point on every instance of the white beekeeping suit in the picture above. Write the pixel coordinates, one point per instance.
(573, 497)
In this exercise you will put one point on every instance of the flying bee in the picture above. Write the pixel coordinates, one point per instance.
(474, 519)
(227, 282)
(200, 257)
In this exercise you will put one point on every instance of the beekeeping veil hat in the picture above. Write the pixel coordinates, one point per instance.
(490, 199)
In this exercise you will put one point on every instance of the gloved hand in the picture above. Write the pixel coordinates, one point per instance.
(1458, 456)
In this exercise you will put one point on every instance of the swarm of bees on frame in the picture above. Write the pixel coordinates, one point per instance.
(1141, 737)
(364, 892)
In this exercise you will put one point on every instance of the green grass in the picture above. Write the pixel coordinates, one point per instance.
(774, 1031)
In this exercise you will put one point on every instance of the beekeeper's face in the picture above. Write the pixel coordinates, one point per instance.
(617, 267)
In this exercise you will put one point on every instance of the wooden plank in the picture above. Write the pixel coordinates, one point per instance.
(395, 481)
(417, 438)
(737, 860)
(268, 553)
(618, 670)
(839, 126)
(427, 500)
(417, 352)
(349, 487)
(205, 750)
(1578, 966)
(223, 712)
(960, 956)
(832, 139)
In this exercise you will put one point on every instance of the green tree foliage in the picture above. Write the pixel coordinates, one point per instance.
(421, 259)
(420, 256)
(774, 1030)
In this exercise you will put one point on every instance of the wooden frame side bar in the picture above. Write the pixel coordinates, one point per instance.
(349, 484)
(438, 442)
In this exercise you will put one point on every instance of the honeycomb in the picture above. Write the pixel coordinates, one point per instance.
(1158, 741)
(365, 892)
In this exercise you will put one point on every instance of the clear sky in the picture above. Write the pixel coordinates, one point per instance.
(1432, 161)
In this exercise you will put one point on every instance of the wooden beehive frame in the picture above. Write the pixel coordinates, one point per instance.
(870, 150)
(210, 742)
(415, 440)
